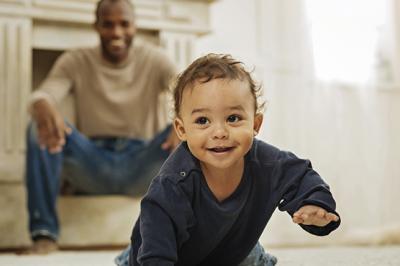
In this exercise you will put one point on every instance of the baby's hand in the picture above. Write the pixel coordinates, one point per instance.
(313, 215)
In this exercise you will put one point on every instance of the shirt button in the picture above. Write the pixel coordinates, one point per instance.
(182, 173)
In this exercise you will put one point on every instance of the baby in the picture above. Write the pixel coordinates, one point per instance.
(214, 195)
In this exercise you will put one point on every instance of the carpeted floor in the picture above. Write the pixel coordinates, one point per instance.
(329, 256)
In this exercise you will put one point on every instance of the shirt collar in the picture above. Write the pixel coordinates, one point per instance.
(128, 60)
(181, 162)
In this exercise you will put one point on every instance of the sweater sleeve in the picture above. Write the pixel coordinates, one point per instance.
(167, 70)
(164, 220)
(58, 82)
(300, 185)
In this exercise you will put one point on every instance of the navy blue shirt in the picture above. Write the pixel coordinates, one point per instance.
(182, 223)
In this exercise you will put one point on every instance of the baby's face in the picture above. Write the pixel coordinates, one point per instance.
(218, 121)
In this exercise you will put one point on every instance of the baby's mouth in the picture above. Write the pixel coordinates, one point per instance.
(220, 149)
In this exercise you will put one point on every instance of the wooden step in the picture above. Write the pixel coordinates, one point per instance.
(85, 220)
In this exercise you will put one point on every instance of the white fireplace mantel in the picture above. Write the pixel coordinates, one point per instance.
(171, 15)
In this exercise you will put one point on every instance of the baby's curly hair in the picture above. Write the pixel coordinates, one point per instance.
(215, 66)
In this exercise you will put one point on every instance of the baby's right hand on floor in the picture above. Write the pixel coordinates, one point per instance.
(313, 215)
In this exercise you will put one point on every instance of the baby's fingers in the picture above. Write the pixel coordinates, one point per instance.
(332, 217)
(321, 213)
(297, 220)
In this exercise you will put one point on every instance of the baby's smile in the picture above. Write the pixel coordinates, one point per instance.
(221, 149)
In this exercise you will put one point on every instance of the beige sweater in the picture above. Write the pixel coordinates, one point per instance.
(126, 100)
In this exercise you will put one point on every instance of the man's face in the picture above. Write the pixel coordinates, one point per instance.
(116, 28)
(218, 121)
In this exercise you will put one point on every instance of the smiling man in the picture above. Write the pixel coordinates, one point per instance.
(122, 134)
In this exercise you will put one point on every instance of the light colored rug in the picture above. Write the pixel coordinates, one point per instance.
(339, 256)
(329, 256)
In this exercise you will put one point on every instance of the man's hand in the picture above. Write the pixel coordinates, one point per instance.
(171, 142)
(51, 126)
(313, 215)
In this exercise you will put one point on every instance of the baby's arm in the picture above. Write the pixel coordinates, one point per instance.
(314, 215)
(163, 223)
(299, 188)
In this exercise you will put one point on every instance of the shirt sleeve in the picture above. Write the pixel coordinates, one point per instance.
(300, 185)
(167, 70)
(164, 221)
(58, 82)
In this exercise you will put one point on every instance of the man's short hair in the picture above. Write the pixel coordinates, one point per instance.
(99, 3)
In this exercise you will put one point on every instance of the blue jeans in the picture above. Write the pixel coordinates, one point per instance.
(256, 257)
(93, 166)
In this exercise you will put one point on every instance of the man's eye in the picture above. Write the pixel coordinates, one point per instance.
(107, 24)
(233, 118)
(125, 24)
(201, 121)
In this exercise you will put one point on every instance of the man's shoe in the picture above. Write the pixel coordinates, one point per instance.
(41, 246)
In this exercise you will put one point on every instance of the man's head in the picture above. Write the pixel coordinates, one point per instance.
(217, 110)
(116, 27)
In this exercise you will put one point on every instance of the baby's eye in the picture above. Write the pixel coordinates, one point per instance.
(201, 120)
(233, 118)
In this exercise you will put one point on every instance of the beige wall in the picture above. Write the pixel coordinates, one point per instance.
(350, 134)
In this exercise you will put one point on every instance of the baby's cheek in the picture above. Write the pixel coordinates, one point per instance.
(247, 139)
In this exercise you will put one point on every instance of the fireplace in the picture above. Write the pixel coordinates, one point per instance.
(33, 33)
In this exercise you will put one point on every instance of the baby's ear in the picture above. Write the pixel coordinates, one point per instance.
(258, 119)
(180, 129)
